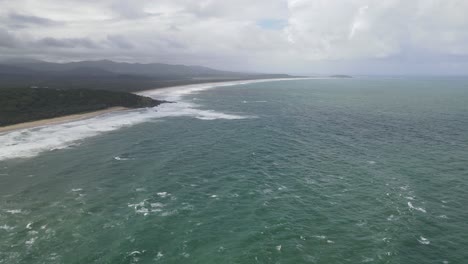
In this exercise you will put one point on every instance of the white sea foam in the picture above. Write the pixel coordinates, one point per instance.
(31, 241)
(6, 227)
(410, 205)
(146, 208)
(163, 194)
(31, 142)
(120, 159)
(424, 241)
(159, 255)
(156, 205)
(14, 211)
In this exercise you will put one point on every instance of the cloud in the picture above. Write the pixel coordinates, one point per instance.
(21, 20)
(119, 42)
(262, 35)
(359, 23)
(346, 30)
(7, 39)
(50, 42)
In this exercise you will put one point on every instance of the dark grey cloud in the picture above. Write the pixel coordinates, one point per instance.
(67, 43)
(17, 20)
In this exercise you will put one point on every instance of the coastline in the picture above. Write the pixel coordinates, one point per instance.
(88, 115)
(59, 120)
(61, 132)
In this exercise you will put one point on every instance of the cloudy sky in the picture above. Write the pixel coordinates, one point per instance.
(293, 36)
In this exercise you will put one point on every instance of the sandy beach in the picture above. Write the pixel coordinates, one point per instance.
(162, 93)
(59, 120)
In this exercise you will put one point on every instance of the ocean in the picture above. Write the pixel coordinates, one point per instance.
(363, 170)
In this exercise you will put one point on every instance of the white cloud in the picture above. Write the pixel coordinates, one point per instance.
(227, 33)
(359, 23)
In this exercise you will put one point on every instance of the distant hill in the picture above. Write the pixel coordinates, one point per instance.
(19, 105)
(110, 75)
(153, 69)
(15, 70)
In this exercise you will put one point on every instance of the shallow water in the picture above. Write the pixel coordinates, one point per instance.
(304, 171)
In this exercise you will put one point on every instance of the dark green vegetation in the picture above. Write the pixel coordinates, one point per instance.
(70, 83)
(78, 87)
(109, 75)
(27, 104)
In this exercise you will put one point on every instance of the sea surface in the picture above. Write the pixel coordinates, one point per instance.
(299, 171)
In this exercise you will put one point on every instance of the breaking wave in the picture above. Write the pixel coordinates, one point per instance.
(30, 142)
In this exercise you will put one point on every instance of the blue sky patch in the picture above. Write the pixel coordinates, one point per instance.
(273, 24)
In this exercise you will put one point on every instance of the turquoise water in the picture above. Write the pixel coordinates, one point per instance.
(305, 171)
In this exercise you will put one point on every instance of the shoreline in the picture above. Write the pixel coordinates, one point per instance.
(60, 119)
(214, 83)
(88, 115)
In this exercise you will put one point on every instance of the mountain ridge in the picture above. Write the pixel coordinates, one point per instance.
(152, 69)
(111, 75)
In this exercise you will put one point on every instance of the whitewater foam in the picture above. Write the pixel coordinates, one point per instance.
(163, 194)
(33, 141)
(31, 241)
(410, 205)
(424, 241)
(120, 159)
(14, 211)
(6, 227)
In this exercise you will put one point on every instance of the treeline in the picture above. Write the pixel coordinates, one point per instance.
(19, 105)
